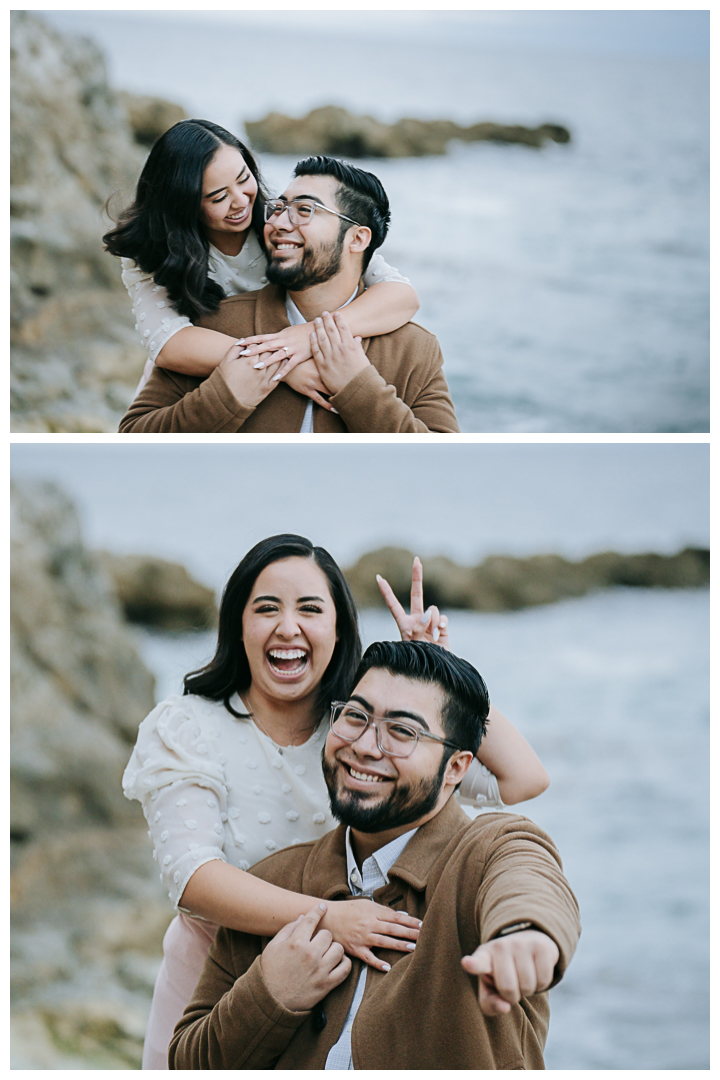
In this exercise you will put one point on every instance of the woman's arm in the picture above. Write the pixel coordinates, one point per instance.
(231, 897)
(384, 307)
(194, 350)
(517, 768)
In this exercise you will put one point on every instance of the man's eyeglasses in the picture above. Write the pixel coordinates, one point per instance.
(396, 738)
(300, 211)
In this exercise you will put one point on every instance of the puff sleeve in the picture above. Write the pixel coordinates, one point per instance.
(479, 788)
(379, 270)
(176, 772)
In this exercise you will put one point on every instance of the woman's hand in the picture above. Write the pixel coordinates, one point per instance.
(291, 345)
(249, 378)
(305, 378)
(362, 925)
(419, 625)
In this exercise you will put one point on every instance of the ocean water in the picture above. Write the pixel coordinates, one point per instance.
(612, 691)
(568, 287)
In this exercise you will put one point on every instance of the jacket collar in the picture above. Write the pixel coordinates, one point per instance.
(326, 868)
(270, 314)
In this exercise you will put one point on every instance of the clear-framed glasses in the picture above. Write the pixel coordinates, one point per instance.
(396, 738)
(300, 211)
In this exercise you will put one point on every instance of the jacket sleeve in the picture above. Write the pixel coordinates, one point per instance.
(523, 881)
(170, 402)
(232, 1021)
(368, 403)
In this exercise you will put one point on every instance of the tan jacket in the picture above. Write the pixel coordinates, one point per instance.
(403, 391)
(466, 880)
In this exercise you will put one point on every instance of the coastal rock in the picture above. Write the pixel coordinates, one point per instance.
(155, 592)
(75, 360)
(502, 583)
(88, 911)
(150, 117)
(335, 131)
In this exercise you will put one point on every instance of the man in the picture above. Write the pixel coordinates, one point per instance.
(319, 237)
(499, 922)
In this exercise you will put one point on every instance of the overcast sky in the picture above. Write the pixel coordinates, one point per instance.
(206, 504)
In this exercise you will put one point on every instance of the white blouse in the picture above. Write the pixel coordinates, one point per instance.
(213, 786)
(156, 320)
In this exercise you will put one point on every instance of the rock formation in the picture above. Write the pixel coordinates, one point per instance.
(75, 357)
(88, 911)
(158, 593)
(501, 583)
(335, 131)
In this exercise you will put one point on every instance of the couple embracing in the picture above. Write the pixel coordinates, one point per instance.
(407, 936)
(270, 315)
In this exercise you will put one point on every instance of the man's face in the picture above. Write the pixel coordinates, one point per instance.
(301, 256)
(370, 791)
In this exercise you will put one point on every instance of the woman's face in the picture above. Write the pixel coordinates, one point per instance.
(289, 629)
(229, 190)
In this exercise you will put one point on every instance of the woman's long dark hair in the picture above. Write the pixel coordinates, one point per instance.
(229, 672)
(162, 231)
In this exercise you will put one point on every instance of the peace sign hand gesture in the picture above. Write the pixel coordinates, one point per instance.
(419, 625)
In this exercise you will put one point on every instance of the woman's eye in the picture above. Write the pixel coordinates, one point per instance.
(266, 609)
(220, 199)
(312, 609)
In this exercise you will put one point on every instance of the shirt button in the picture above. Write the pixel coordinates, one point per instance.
(355, 878)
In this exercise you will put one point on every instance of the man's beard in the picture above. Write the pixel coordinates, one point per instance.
(407, 803)
(317, 266)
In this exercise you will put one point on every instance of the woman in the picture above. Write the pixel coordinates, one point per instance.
(231, 771)
(194, 235)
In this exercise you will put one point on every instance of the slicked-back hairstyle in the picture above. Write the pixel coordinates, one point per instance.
(360, 195)
(229, 672)
(162, 230)
(467, 702)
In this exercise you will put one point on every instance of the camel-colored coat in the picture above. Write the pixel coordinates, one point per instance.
(404, 389)
(466, 880)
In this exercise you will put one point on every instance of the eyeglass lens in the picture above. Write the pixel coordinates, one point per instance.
(394, 737)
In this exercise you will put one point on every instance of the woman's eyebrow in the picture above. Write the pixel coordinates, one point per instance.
(305, 599)
(211, 193)
(275, 599)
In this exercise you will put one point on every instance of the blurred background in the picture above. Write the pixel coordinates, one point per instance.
(575, 577)
(566, 281)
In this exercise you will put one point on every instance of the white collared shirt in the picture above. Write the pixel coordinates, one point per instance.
(374, 875)
(296, 317)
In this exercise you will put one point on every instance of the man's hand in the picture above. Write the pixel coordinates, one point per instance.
(338, 355)
(306, 380)
(512, 967)
(249, 378)
(418, 625)
(300, 969)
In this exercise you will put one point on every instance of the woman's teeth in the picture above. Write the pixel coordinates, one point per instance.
(284, 660)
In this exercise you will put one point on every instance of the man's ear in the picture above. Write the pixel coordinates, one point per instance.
(457, 766)
(360, 238)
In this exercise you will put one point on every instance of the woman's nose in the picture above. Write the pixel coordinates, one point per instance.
(288, 625)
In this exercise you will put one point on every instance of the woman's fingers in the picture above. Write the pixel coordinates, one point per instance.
(293, 362)
(321, 401)
(397, 944)
(416, 588)
(371, 960)
(395, 607)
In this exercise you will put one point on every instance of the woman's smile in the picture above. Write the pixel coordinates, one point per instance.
(289, 629)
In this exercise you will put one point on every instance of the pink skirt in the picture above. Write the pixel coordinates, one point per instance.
(185, 947)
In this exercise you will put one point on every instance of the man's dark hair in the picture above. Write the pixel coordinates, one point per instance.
(360, 195)
(467, 702)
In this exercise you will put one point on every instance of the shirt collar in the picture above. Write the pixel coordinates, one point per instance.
(384, 857)
(296, 316)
